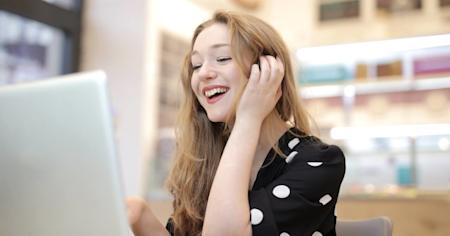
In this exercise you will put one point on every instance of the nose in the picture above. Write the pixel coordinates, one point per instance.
(207, 72)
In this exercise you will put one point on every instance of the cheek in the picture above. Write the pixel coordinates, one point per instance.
(194, 86)
(192, 83)
(240, 80)
(237, 77)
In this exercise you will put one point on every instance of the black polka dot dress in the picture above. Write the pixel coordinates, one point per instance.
(296, 195)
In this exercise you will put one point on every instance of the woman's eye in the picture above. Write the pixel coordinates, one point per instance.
(196, 66)
(223, 59)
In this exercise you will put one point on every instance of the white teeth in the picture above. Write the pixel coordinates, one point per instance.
(214, 91)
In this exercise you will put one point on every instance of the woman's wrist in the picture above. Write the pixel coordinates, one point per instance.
(248, 121)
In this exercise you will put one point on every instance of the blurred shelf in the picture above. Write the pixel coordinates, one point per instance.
(359, 88)
(386, 154)
(397, 193)
(390, 131)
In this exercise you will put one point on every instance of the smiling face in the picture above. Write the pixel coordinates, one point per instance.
(216, 78)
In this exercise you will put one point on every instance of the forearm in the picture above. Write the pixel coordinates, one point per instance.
(228, 212)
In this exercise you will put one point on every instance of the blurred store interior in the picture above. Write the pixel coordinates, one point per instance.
(374, 74)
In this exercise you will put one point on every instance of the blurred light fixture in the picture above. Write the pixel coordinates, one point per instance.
(444, 144)
(349, 91)
(368, 50)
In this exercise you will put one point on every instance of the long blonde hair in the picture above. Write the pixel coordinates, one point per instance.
(200, 142)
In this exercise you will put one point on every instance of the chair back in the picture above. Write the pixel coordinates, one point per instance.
(379, 226)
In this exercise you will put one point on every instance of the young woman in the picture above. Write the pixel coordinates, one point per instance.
(246, 162)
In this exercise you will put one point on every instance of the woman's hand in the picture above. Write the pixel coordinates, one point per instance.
(142, 220)
(262, 91)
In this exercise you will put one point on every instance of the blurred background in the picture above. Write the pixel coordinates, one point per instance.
(374, 74)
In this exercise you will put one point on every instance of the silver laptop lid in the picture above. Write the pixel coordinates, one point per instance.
(58, 169)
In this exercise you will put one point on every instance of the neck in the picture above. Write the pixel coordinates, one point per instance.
(272, 129)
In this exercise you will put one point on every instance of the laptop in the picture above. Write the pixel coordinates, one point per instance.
(59, 174)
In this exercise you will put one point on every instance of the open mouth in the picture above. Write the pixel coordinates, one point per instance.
(215, 94)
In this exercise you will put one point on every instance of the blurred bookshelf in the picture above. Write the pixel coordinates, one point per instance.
(395, 85)
(386, 104)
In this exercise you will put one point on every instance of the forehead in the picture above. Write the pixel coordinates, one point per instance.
(215, 34)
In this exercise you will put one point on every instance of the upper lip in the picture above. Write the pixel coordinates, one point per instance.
(212, 87)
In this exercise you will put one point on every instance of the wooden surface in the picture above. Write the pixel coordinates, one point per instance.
(411, 217)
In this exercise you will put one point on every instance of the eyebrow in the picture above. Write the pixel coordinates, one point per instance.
(214, 46)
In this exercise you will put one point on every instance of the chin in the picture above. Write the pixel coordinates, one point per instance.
(216, 118)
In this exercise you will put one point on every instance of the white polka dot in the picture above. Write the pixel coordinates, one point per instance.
(293, 143)
(284, 234)
(256, 216)
(315, 163)
(291, 156)
(325, 199)
(317, 233)
(281, 191)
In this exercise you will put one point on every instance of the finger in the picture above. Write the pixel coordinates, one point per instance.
(279, 93)
(273, 67)
(254, 74)
(265, 68)
(281, 67)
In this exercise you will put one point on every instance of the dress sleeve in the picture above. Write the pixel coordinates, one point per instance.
(169, 226)
(300, 201)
